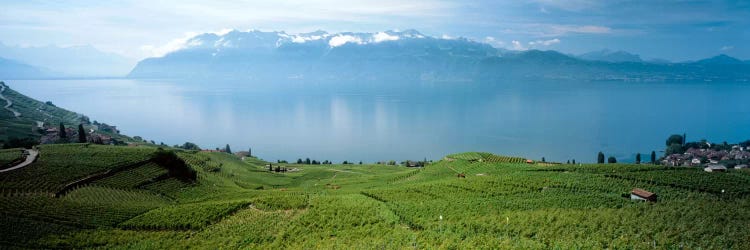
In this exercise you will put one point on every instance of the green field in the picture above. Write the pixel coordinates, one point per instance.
(501, 203)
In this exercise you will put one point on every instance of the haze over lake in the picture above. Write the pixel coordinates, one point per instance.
(372, 121)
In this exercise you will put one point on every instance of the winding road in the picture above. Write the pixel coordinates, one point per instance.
(30, 158)
(9, 103)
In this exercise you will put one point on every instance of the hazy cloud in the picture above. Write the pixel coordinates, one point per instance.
(570, 5)
(589, 29)
(517, 45)
(174, 45)
(494, 42)
(544, 42)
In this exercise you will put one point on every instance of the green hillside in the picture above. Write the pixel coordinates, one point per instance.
(33, 116)
(153, 202)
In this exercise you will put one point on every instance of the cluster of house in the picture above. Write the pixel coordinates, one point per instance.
(708, 157)
(52, 135)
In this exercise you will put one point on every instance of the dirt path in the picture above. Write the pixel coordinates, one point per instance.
(33, 154)
(9, 103)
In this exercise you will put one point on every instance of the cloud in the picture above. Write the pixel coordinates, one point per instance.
(382, 36)
(586, 29)
(544, 42)
(516, 45)
(570, 5)
(727, 47)
(343, 39)
(173, 45)
(494, 42)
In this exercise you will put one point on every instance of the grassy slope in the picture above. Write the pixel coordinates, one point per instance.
(238, 204)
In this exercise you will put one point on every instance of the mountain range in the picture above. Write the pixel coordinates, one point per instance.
(74, 61)
(12, 69)
(408, 55)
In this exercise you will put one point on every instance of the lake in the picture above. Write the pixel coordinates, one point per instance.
(373, 121)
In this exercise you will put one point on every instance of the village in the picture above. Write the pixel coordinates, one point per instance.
(96, 133)
(712, 160)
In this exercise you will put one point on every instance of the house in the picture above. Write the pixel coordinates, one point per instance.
(97, 138)
(643, 195)
(741, 166)
(529, 161)
(695, 161)
(715, 168)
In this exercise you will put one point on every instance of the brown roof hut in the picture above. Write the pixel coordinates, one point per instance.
(640, 194)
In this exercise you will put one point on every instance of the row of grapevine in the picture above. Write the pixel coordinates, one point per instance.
(61, 164)
(187, 216)
(132, 178)
(10, 155)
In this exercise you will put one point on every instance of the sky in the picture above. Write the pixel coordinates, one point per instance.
(676, 30)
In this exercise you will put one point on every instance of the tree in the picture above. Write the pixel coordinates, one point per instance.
(250, 152)
(227, 149)
(674, 149)
(63, 134)
(600, 158)
(81, 134)
(638, 158)
(307, 161)
(611, 159)
(299, 161)
(543, 160)
(684, 139)
(653, 157)
(190, 146)
(574, 161)
(568, 162)
(675, 139)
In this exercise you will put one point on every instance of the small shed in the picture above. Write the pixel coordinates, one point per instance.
(643, 195)
(741, 166)
(529, 161)
(715, 168)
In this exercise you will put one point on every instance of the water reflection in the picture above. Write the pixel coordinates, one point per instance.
(346, 121)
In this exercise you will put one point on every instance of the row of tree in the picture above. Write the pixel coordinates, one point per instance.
(612, 159)
(63, 134)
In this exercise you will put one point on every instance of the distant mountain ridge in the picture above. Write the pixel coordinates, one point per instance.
(611, 56)
(12, 69)
(75, 61)
(406, 55)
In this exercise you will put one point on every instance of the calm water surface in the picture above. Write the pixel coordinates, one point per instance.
(388, 121)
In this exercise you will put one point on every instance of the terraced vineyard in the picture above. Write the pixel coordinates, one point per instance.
(486, 157)
(8, 156)
(499, 202)
(61, 164)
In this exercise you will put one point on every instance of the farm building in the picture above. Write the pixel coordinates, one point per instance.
(640, 194)
(741, 166)
(715, 168)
